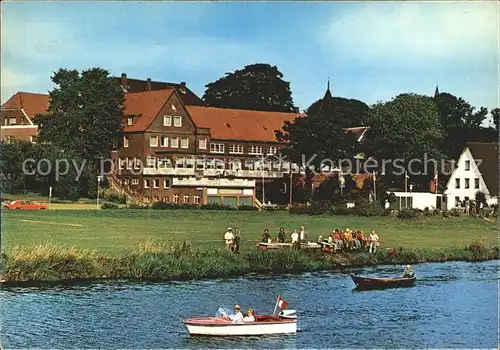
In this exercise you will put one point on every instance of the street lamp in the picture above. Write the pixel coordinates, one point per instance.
(99, 178)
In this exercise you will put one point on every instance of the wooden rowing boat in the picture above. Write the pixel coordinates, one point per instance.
(382, 283)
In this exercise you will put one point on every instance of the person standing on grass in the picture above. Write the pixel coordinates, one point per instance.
(281, 235)
(266, 237)
(229, 237)
(303, 235)
(236, 240)
(373, 239)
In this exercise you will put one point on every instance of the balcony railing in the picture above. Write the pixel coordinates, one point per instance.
(169, 171)
(205, 182)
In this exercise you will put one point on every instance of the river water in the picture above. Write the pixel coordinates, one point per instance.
(452, 305)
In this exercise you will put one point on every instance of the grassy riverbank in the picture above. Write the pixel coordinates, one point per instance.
(118, 232)
(152, 261)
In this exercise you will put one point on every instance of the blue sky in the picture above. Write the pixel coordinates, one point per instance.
(370, 51)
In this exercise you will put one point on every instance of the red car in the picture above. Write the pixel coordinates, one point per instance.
(26, 205)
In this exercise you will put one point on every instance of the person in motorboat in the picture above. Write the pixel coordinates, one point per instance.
(250, 316)
(238, 316)
(229, 237)
(408, 272)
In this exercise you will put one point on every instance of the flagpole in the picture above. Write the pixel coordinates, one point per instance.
(276, 306)
(374, 187)
(290, 190)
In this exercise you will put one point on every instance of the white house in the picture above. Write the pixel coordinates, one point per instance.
(476, 170)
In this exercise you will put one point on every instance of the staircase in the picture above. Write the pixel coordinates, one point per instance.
(114, 184)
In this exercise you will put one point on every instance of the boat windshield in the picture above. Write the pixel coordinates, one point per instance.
(223, 312)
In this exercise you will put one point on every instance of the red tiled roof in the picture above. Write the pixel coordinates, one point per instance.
(31, 103)
(357, 131)
(147, 104)
(239, 124)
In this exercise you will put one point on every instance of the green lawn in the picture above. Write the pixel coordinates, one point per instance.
(116, 231)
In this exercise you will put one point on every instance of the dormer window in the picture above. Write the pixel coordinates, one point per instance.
(167, 120)
(130, 121)
(178, 121)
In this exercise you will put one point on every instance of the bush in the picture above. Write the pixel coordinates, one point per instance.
(164, 205)
(216, 206)
(319, 207)
(455, 212)
(138, 206)
(299, 209)
(247, 208)
(340, 209)
(109, 205)
(410, 214)
(366, 208)
(112, 196)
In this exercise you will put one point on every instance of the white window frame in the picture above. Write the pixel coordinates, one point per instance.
(151, 162)
(166, 183)
(137, 163)
(271, 149)
(125, 141)
(187, 142)
(217, 148)
(185, 198)
(202, 143)
(167, 120)
(125, 182)
(156, 183)
(176, 198)
(130, 121)
(179, 119)
(164, 144)
(174, 144)
(255, 150)
(146, 183)
(135, 181)
(196, 199)
(236, 149)
(12, 123)
(151, 143)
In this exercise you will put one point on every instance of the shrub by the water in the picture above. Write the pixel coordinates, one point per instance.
(283, 260)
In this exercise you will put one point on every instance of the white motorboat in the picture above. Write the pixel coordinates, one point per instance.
(283, 323)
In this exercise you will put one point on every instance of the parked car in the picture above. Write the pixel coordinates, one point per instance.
(26, 205)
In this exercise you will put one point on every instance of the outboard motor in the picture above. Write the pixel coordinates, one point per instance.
(288, 314)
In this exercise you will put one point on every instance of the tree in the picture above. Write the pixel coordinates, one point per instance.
(495, 115)
(404, 128)
(85, 113)
(462, 123)
(348, 112)
(256, 87)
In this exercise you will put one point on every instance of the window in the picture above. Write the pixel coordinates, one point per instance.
(184, 142)
(457, 183)
(176, 198)
(125, 141)
(186, 198)
(164, 162)
(238, 149)
(167, 120)
(196, 199)
(164, 141)
(151, 162)
(166, 183)
(457, 201)
(235, 164)
(153, 141)
(467, 185)
(135, 181)
(121, 163)
(202, 143)
(255, 150)
(476, 182)
(178, 121)
(130, 121)
(137, 163)
(125, 182)
(249, 164)
(165, 199)
(200, 163)
(467, 165)
(174, 142)
(217, 148)
(272, 150)
(156, 183)
(11, 121)
(146, 183)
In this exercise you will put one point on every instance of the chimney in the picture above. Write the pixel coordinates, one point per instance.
(124, 82)
(182, 88)
(148, 84)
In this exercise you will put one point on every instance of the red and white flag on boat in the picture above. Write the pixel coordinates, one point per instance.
(282, 303)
